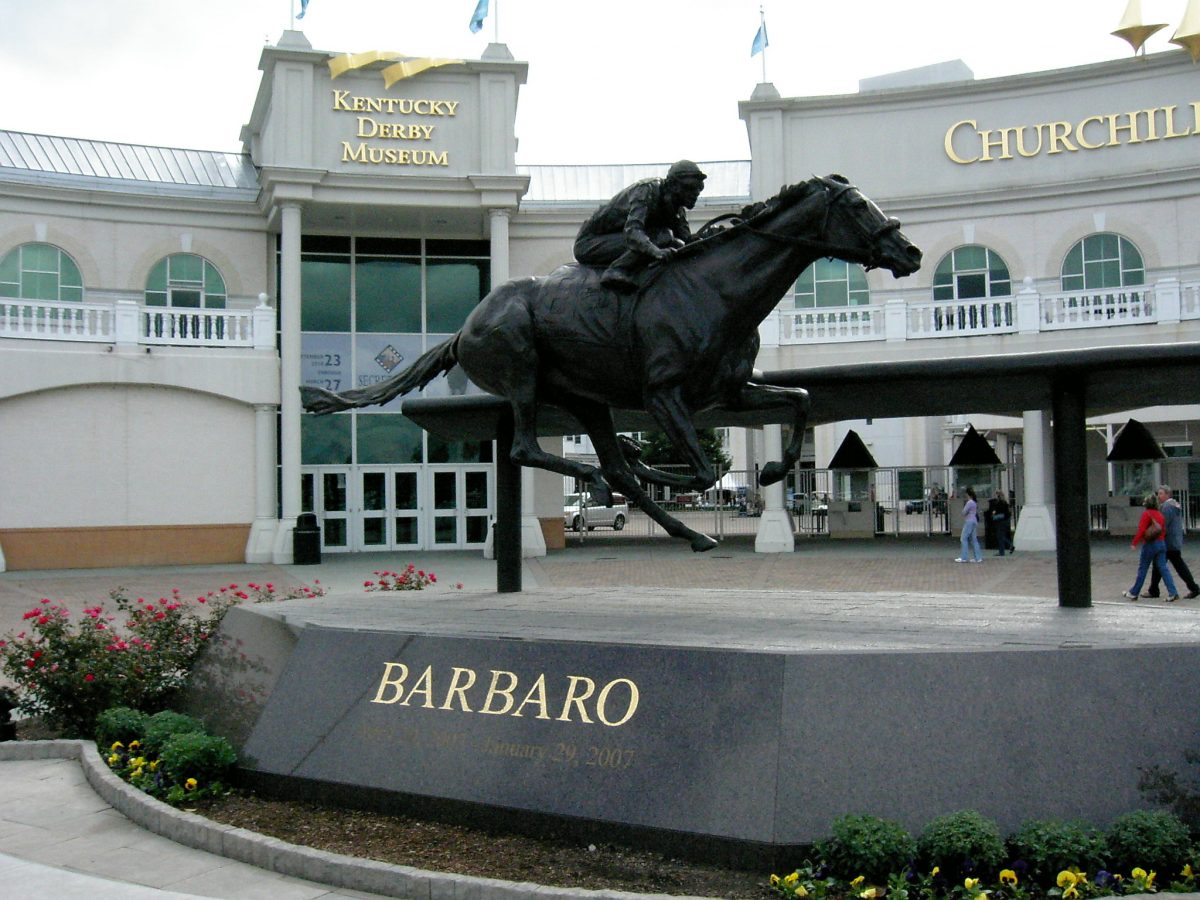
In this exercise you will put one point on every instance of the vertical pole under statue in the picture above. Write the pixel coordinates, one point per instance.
(1071, 492)
(506, 540)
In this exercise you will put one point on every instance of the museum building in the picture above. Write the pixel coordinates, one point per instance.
(160, 307)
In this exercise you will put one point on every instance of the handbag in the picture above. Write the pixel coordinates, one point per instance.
(1153, 531)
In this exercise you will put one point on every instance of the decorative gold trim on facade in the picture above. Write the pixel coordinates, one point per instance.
(407, 67)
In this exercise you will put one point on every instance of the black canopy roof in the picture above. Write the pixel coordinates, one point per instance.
(1134, 442)
(853, 454)
(974, 451)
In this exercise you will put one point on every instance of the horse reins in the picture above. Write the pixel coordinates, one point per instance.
(869, 258)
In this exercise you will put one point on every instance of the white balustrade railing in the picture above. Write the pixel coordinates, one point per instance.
(821, 326)
(959, 318)
(1168, 301)
(126, 322)
(56, 321)
(1098, 309)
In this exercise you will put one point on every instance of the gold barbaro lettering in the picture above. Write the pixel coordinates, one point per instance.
(965, 142)
(455, 690)
(371, 155)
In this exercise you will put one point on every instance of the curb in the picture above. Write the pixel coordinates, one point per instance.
(279, 856)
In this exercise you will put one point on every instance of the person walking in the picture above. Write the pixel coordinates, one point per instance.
(1151, 534)
(970, 530)
(1001, 515)
(1172, 514)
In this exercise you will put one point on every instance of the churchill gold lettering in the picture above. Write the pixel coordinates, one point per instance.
(578, 698)
(965, 142)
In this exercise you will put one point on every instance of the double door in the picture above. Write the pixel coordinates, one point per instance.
(362, 509)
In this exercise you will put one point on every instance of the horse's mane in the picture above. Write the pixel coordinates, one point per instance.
(755, 213)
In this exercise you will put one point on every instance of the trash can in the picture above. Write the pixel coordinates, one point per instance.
(306, 541)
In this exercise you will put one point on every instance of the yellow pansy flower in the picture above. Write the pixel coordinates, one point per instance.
(117, 745)
(1070, 892)
(190, 784)
(133, 745)
(1187, 871)
(871, 893)
(971, 883)
(792, 879)
(801, 891)
(1138, 872)
(1008, 876)
(1066, 879)
(857, 881)
(936, 869)
(774, 881)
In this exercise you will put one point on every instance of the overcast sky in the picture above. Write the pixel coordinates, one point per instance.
(609, 80)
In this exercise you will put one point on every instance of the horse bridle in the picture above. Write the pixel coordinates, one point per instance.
(869, 258)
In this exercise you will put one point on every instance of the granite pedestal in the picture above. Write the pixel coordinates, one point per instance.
(742, 719)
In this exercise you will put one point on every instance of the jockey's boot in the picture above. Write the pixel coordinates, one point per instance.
(618, 278)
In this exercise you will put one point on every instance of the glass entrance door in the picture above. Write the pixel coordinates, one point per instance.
(461, 502)
(388, 514)
(324, 491)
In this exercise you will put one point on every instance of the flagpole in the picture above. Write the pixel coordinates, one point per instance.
(762, 23)
(496, 24)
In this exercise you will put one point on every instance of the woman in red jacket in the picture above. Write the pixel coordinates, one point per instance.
(1151, 533)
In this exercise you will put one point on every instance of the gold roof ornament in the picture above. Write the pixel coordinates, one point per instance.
(1132, 29)
(1187, 35)
(407, 67)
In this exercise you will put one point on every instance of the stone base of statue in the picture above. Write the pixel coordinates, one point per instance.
(743, 721)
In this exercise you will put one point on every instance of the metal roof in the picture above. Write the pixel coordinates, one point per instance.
(76, 161)
(576, 184)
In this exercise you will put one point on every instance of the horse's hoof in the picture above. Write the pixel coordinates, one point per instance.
(702, 542)
(771, 473)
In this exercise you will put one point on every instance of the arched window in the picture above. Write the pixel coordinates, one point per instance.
(971, 272)
(185, 280)
(1103, 260)
(40, 272)
(831, 282)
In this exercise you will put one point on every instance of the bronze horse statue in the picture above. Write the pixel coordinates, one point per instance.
(684, 342)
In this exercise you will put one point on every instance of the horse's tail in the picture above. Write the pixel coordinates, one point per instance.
(429, 365)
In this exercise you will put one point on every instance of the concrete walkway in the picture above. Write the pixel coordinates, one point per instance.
(60, 838)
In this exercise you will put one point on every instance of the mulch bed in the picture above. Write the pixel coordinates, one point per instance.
(467, 851)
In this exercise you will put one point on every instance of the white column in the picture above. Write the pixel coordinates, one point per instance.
(775, 531)
(533, 542)
(289, 379)
(1035, 527)
(260, 548)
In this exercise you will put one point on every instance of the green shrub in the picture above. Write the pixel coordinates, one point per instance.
(867, 846)
(203, 757)
(1157, 841)
(961, 843)
(1048, 847)
(161, 727)
(68, 670)
(120, 724)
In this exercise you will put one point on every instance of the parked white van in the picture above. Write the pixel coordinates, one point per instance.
(581, 511)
